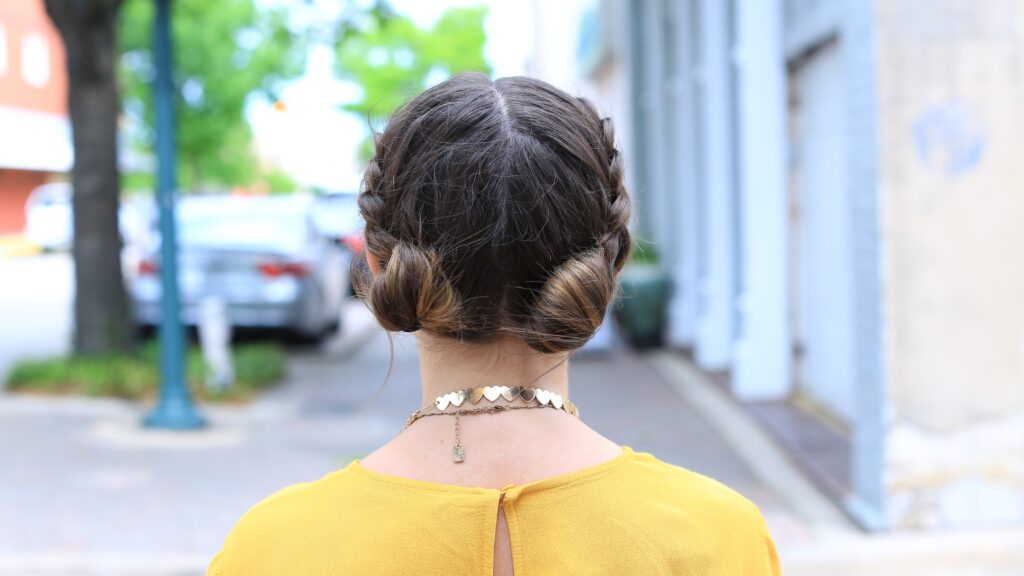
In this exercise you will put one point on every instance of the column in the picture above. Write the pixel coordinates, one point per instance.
(762, 358)
(714, 133)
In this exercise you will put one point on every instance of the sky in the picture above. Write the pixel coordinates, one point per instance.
(315, 142)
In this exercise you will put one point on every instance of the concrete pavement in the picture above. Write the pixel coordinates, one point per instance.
(36, 300)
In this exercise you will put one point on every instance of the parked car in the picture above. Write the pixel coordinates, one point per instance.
(336, 217)
(261, 256)
(48, 216)
(49, 220)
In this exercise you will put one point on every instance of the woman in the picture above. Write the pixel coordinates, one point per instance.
(496, 224)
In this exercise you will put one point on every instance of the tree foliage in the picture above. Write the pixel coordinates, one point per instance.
(391, 59)
(224, 53)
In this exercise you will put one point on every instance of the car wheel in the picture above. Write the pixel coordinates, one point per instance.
(145, 332)
(316, 336)
(334, 327)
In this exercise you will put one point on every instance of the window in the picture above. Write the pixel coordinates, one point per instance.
(35, 60)
(3, 51)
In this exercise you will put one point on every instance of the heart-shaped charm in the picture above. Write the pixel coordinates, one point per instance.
(492, 392)
(458, 397)
(441, 402)
(544, 397)
(476, 394)
(509, 393)
(528, 394)
(556, 400)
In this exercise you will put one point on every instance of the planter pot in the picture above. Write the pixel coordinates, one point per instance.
(642, 307)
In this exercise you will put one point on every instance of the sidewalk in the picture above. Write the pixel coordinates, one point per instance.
(85, 491)
(813, 538)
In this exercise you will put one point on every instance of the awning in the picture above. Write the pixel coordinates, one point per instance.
(34, 141)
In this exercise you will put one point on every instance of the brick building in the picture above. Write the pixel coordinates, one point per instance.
(35, 136)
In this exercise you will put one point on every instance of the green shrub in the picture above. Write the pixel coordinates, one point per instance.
(644, 252)
(257, 366)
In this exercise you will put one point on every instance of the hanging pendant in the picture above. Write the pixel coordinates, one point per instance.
(458, 453)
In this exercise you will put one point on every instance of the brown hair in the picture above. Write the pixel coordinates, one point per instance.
(495, 207)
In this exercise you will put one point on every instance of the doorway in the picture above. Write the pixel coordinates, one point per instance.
(821, 286)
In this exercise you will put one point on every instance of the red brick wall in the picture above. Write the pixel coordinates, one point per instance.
(21, 18)
(15, 186)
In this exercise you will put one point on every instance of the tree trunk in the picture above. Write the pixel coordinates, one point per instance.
(103, 321)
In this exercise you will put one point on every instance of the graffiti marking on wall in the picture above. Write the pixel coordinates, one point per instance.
(949, 138)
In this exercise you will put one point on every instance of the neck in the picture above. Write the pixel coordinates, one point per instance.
(447, 365)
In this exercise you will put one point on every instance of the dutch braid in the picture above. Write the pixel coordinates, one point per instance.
(571, 305)
(411, 291)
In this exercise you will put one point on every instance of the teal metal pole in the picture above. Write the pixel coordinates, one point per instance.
(175, 410)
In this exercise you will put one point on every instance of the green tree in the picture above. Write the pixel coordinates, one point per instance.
(225, 53)
(391, 59)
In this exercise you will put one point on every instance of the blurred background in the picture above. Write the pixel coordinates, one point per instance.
(825, 311)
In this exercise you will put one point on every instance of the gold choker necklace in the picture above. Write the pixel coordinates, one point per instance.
(533, 398)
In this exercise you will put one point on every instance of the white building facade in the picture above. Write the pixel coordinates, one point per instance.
(831, 185)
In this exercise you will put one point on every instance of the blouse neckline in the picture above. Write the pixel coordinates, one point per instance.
(558, 481)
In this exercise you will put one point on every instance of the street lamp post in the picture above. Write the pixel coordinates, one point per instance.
(175, 409)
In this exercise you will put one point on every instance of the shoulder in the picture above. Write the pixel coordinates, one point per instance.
(686, 487)
(292, 503)
(275, 524)
(687, 500)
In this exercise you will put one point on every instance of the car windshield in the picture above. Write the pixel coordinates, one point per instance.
(279, 233)
(51, 194)
(337, 215)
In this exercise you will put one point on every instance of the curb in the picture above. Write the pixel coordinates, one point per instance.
(358, 328)
(753, 446)
(16, 245)
(361, 325)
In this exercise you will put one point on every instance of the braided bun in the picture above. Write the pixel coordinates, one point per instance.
(411, 292)
(572, 304)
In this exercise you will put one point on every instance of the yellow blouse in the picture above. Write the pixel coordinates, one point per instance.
(633, 514)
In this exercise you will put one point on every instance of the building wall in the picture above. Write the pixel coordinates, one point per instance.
(604, 78)
(15, 186)
(932, 178)
(851, 25)
(606, 82)
(950, 92)
(709, 97)
(33, 106)
(32, 74)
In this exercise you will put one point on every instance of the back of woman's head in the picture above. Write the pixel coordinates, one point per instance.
(495, 208)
